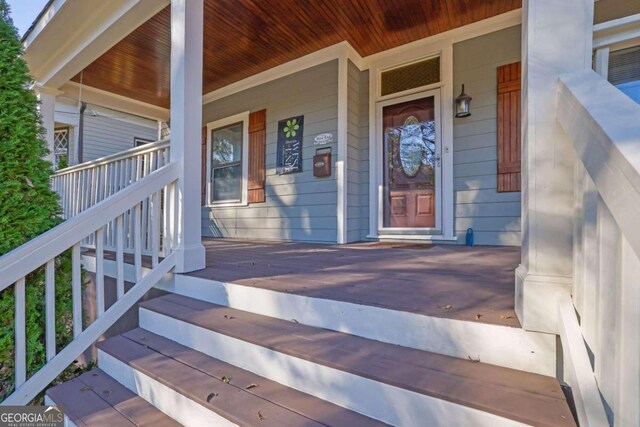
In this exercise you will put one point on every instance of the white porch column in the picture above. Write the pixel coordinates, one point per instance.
(186, 124)
(47, 97)
(557, 39)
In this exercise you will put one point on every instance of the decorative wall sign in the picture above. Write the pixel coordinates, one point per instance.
(289, 156)
(323, 138)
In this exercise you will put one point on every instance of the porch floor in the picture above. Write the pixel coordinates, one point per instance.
(451, 281)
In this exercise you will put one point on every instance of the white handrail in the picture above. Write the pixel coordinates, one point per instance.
(28, 257)
(616, 31)
(87, 184)
(604, 127)
(146, 148)
(18, 264)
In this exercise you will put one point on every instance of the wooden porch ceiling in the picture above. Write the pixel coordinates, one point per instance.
(245, 37)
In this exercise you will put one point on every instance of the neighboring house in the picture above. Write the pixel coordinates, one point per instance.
(104, 132)
(393, 133)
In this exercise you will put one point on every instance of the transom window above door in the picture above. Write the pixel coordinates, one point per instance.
(226, 163)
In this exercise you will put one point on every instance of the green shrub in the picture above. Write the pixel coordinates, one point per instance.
(28, 207)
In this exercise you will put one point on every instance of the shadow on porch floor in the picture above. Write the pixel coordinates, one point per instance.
(457, 282)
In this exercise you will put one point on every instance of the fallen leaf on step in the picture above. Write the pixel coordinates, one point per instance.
(506, 317)
(143, 338)
(107, 392)
(226, 316)
(86, 388)
(294, 321)
(94, 374)
(211, 396)
(250, 386)
(478, 316)
(474, 360)
(260, 416)
(226, 379)
(445, 307)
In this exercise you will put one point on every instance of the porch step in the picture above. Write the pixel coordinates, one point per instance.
(397, 385)
(500, 345)
(94, 398)
(198, 390)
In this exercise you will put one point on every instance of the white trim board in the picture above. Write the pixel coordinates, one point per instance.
(341, 161)
(498, 345)
(371, 398)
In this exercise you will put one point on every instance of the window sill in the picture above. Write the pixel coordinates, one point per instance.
(226, 205)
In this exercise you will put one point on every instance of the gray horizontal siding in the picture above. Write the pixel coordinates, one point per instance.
(104, 135)
(494, 217)
(298, 206)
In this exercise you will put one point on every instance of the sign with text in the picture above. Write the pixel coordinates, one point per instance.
(289, 156)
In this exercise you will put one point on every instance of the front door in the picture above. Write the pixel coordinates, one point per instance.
(411, 163)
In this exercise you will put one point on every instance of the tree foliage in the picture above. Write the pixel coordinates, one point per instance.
(28, 207)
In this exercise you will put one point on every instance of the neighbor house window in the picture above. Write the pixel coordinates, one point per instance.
(61, 148)
(624, 71)
(226, 163)
(137, 142)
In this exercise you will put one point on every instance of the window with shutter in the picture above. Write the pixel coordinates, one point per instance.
(257, 154)
(509, 147)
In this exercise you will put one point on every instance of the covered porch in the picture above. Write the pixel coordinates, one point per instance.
(455, 282)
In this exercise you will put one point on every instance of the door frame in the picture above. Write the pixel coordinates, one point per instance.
(379, 147)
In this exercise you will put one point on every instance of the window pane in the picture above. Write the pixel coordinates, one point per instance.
(226, 145)
(227, 183)
(411, 76)
(624, 71)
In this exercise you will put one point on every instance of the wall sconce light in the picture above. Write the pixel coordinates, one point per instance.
(463, 102)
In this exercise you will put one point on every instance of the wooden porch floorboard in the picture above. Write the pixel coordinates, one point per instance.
(450, 281)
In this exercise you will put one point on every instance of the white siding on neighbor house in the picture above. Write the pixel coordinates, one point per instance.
(494, 217)
(108, 132)
(358, 154)
(298, 206)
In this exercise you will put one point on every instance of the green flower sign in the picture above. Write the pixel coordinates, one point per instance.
(289, 154)
(291, 128)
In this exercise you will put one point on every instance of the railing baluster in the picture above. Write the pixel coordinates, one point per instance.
(155, 228)
(175, 219)
(165, 221)
(50, 308)
(129, 213)
(137, 242)
(76, 289)
(145, 206)
(20, 334)
(99, 239)
(120, 256)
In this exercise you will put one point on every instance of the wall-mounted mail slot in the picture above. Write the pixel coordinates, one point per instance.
(322, 163)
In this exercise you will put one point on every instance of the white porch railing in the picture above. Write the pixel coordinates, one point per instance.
(614, 35)
(109, 213)
(85, 185)
(604, 126)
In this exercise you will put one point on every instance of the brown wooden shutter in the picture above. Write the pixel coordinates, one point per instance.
(509, 147)
(257, 154)
(204, 166)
